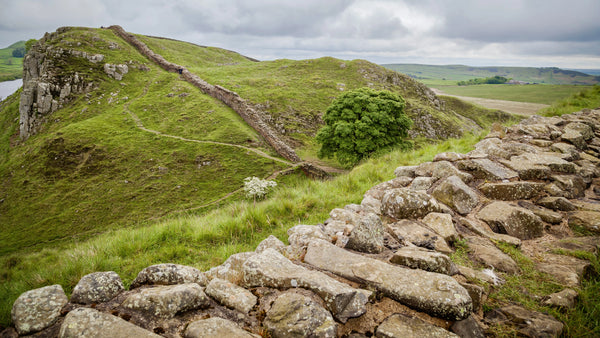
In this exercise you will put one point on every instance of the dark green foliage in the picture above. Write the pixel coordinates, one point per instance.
(488, 80)
(18, 52)
(361, 122)
(29, 43)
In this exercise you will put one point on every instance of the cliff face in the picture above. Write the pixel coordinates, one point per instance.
(46, 85)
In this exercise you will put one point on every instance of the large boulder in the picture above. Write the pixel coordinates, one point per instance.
(169, 274)
(232, 269)
(37, 309)
(86, 322)
(216, 327)
(368, 235)
(515, 221)
(437, 294)
(272, 269)
(167, 301)
(231, 295)
(401, 326)
(456, 194)
(97, 287)
(403, 203)
(296, 315)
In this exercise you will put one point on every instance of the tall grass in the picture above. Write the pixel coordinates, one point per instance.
(589, 98)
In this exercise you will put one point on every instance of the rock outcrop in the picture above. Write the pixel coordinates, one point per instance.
(383, 267)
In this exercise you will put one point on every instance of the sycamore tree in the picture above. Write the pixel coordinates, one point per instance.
(257, 188)
(361, 122)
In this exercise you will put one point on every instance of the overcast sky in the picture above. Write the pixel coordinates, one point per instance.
(540, 33)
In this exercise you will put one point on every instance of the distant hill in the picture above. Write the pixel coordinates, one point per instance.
(550, 75)
(11, 68)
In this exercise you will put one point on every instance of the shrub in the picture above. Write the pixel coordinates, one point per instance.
(361, 122)
(255, 188)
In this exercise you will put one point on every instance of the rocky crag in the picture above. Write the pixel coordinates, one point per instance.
(379, 268)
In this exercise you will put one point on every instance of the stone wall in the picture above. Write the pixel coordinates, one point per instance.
(381, 268)
(231, 99)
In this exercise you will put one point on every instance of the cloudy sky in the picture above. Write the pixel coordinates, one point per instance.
(539, 33)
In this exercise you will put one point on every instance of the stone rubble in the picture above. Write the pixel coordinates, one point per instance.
(381, 268)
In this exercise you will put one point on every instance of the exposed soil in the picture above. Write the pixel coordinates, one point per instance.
(513, 107)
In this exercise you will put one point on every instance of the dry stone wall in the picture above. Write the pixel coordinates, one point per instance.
(381, 268)
(232, 99)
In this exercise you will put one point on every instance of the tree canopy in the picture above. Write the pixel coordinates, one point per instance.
(361, 122)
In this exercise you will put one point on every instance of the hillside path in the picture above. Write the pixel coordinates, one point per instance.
(513, 107)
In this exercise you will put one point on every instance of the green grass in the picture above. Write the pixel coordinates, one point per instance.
(11, 68)
(589, 98)
(545, 94)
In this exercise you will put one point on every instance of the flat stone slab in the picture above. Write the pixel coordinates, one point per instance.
(216, 327)
(586, 220)
(554, 161)
(419, 235)
(167, 301)
(486, 252)
(86, 322)
(231, 295)
(420, 258)
(37, 309)
(483, 230)
(512, 190)
(442, 224)
(401, 326)
(272, 269)
(403, 203)
(97, 287)
(437, 294)
(487, 169)
(528, 170)
(169, 274)
(515, 221)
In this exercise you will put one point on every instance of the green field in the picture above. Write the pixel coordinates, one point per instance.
(11, 68)
(545, 94)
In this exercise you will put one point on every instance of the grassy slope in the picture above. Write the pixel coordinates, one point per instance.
(546, 94)
(11, 68)
(91, 169)
(453, 73)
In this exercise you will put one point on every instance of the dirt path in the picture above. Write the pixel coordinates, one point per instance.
(513, 107)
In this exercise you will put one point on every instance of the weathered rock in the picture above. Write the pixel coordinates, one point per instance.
(529, 323)
(541, 131)
(478, 275)
(546, 215)
(168, 274)
(484, 251)
(400, 326)
(442, 224)
(514, 221)
(232, 269)
(368, 235)
(300, 235)
(272, 269)
(567, 149)
(37, 309)
(477, 294)
(231, 295)
(468, 328)
(563, 299)
(422, 183)
(295, 315)
(167, 301)
(86, 322)
(553, 161)
(216, 327)
(97, 287)
(585, 130)
(512, 190)
(527, 170)
(449, 156)
(486, 169)
(556, 203)
(419, 235)
(586, 220)
(425, 169)
(405, 203)
(436, 294)
(484, 230)
(456, 194)
(271, 242)
(116, 71)
(405, 171)
(575, 138)
(371, 204)
(567, 270)
(379, 190)
(443, 169)
(420, 258)
(572, 186)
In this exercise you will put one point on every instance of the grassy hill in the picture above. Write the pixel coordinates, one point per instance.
(11, 68)
(450, 74)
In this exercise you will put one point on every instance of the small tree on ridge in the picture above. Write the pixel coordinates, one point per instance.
(361, 122)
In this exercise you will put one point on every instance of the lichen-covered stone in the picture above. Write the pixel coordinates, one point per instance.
(456, 194)
(379, 190)
(510, 191)
(484, 251)
(86, 322)
(553, 161)
(442, 224)
(421, 258)
(529, 323)
(272, 269)
(422, 183)
(169, 274)
(468, 328)
(270, 242)
(556, 203)
(562, 299)
(401, 326)
(486, 169)
(295, 315)
(405, 171)
(368, 235)
(572, 186)
(418, 235)
(300, 235)
(216, 327)
(437, 294)
(405, 203)
(97, 287)
(231, 295)
(483, 230)
(167, 301)
(512, 220)
(37, 309)
(546, 215)
(586, 220)
(443, 169)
